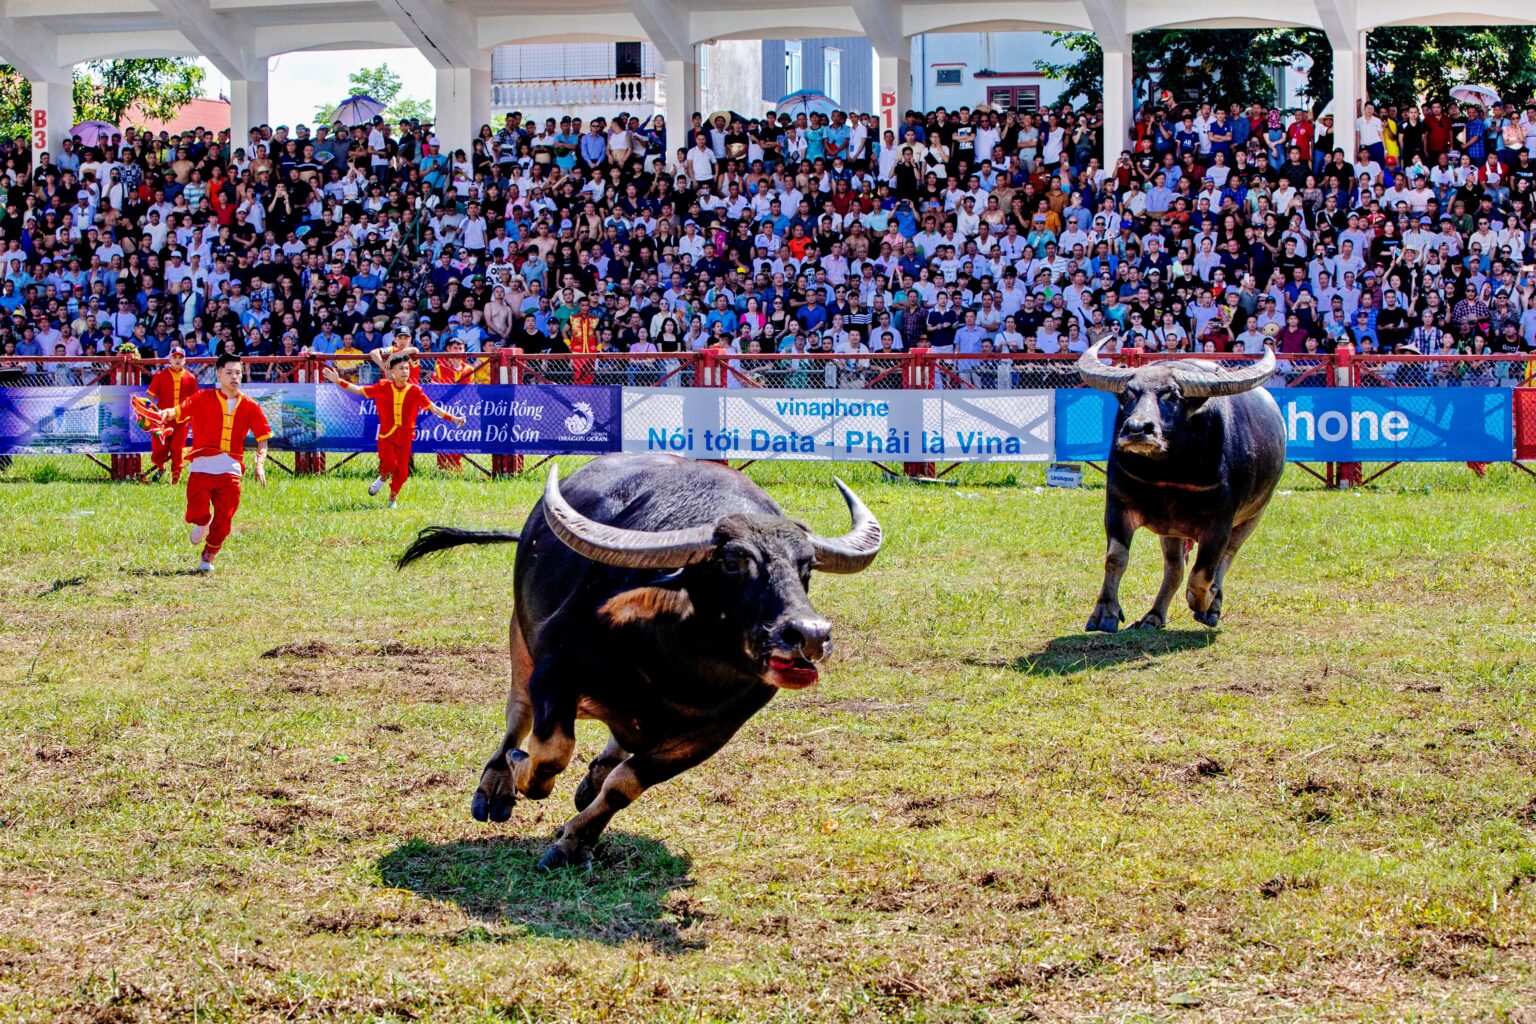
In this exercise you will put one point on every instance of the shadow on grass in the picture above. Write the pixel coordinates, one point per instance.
(161, 573)
(1080, 652)
(620, 897)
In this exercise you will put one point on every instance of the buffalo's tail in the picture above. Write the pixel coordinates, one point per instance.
(440, 538)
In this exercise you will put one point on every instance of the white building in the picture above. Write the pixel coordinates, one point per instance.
(44, 39)
(588, 80)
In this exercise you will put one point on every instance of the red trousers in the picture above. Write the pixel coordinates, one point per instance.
(395, 459)
(213, 496)
(450, 462)
(171, 446)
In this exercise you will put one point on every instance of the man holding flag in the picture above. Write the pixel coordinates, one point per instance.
(220, 417)
(399, 403)
(169, 387)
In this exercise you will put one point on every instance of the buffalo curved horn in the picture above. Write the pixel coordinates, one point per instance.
(614, 545)
(1198, 382)
(1096, 375)
(854, 550)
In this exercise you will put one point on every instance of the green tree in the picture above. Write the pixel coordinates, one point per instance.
(1422, 63)
(1232, 65)
(384, 85)
(1404, 63)
(105, 90)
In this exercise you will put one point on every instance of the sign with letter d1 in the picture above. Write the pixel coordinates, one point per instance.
(1397, 424)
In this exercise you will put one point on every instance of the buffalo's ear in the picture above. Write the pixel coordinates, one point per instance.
(646, 604)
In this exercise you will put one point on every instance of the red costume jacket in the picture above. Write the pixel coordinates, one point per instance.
(215, 429)
(398, 407)
(170, 388)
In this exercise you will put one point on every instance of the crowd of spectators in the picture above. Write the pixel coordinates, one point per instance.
(1212, 228)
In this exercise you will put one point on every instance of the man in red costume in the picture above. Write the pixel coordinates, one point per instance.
(171, 386)
(581, 337)
(451, 368)
(399, 403)
(220, 419)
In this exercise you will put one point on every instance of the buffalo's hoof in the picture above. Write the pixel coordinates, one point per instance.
(557, 857)
(1104, 620)
(1209, 618)
(1151, 620)
(485, 807)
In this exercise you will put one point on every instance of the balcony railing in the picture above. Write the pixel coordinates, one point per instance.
(573, 92)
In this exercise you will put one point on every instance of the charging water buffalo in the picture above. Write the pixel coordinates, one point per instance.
(667, 599)
(1197, 451)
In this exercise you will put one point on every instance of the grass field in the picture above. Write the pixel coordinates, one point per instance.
(246, 797)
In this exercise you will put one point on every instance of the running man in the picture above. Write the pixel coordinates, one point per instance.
(399, 402)
(452, 368)
(220, 419)
(169, 387)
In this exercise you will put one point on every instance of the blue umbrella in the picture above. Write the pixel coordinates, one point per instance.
(806, 101)
(356, 110)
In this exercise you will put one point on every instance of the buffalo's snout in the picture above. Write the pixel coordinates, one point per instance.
(1140, 428)
(807, 636)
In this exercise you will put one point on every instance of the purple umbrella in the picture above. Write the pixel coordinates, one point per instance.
(94, 133)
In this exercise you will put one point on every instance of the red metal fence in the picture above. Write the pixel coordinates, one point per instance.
(918, 369)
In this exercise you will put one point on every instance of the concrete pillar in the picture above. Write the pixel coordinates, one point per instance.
(893, 89)
(247, 109)
(1119, 103)
(682, 83)
(1345, 91)
(462, 105)
(53, 114)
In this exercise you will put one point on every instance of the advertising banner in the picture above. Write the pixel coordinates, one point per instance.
(503, 419)
(1339, 424)
(840, 426)
(67, 421)
(1397, 424)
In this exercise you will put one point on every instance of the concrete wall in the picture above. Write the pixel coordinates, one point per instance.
(856, 62)
(731, 77)
(983, 59)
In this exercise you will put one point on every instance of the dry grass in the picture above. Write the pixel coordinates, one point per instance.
(245, 798)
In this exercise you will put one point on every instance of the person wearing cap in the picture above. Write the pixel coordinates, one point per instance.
(398, 403)
(169, 387)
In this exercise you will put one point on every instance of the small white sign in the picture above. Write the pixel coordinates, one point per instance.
(1064, 474)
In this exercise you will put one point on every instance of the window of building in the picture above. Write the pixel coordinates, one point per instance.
(627, 60)
(704, 66)
(1023, 98)
(794, 72)
(946, 76)
(832, 73)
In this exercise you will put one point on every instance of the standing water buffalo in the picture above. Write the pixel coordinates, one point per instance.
(663, 597)
(1197, 452)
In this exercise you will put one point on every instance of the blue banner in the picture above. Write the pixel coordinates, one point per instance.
(67, 420)
(503, 419)
(1447, 424)
(1085, 424)
(1398, 424)
(1339, 424)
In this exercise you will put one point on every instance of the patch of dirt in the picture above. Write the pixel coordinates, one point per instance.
(395, 672)
(60, 754)
(301, 649)
(851, 706)
(1206, 767)
(283, 819)
(352, 920)
(1527, 813)
(436, 780)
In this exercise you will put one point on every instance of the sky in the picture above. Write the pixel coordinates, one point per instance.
(297, 82)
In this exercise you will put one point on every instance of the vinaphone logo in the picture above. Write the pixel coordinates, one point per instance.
(580, 420)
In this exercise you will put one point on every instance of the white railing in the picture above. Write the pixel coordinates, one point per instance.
(572, 92)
